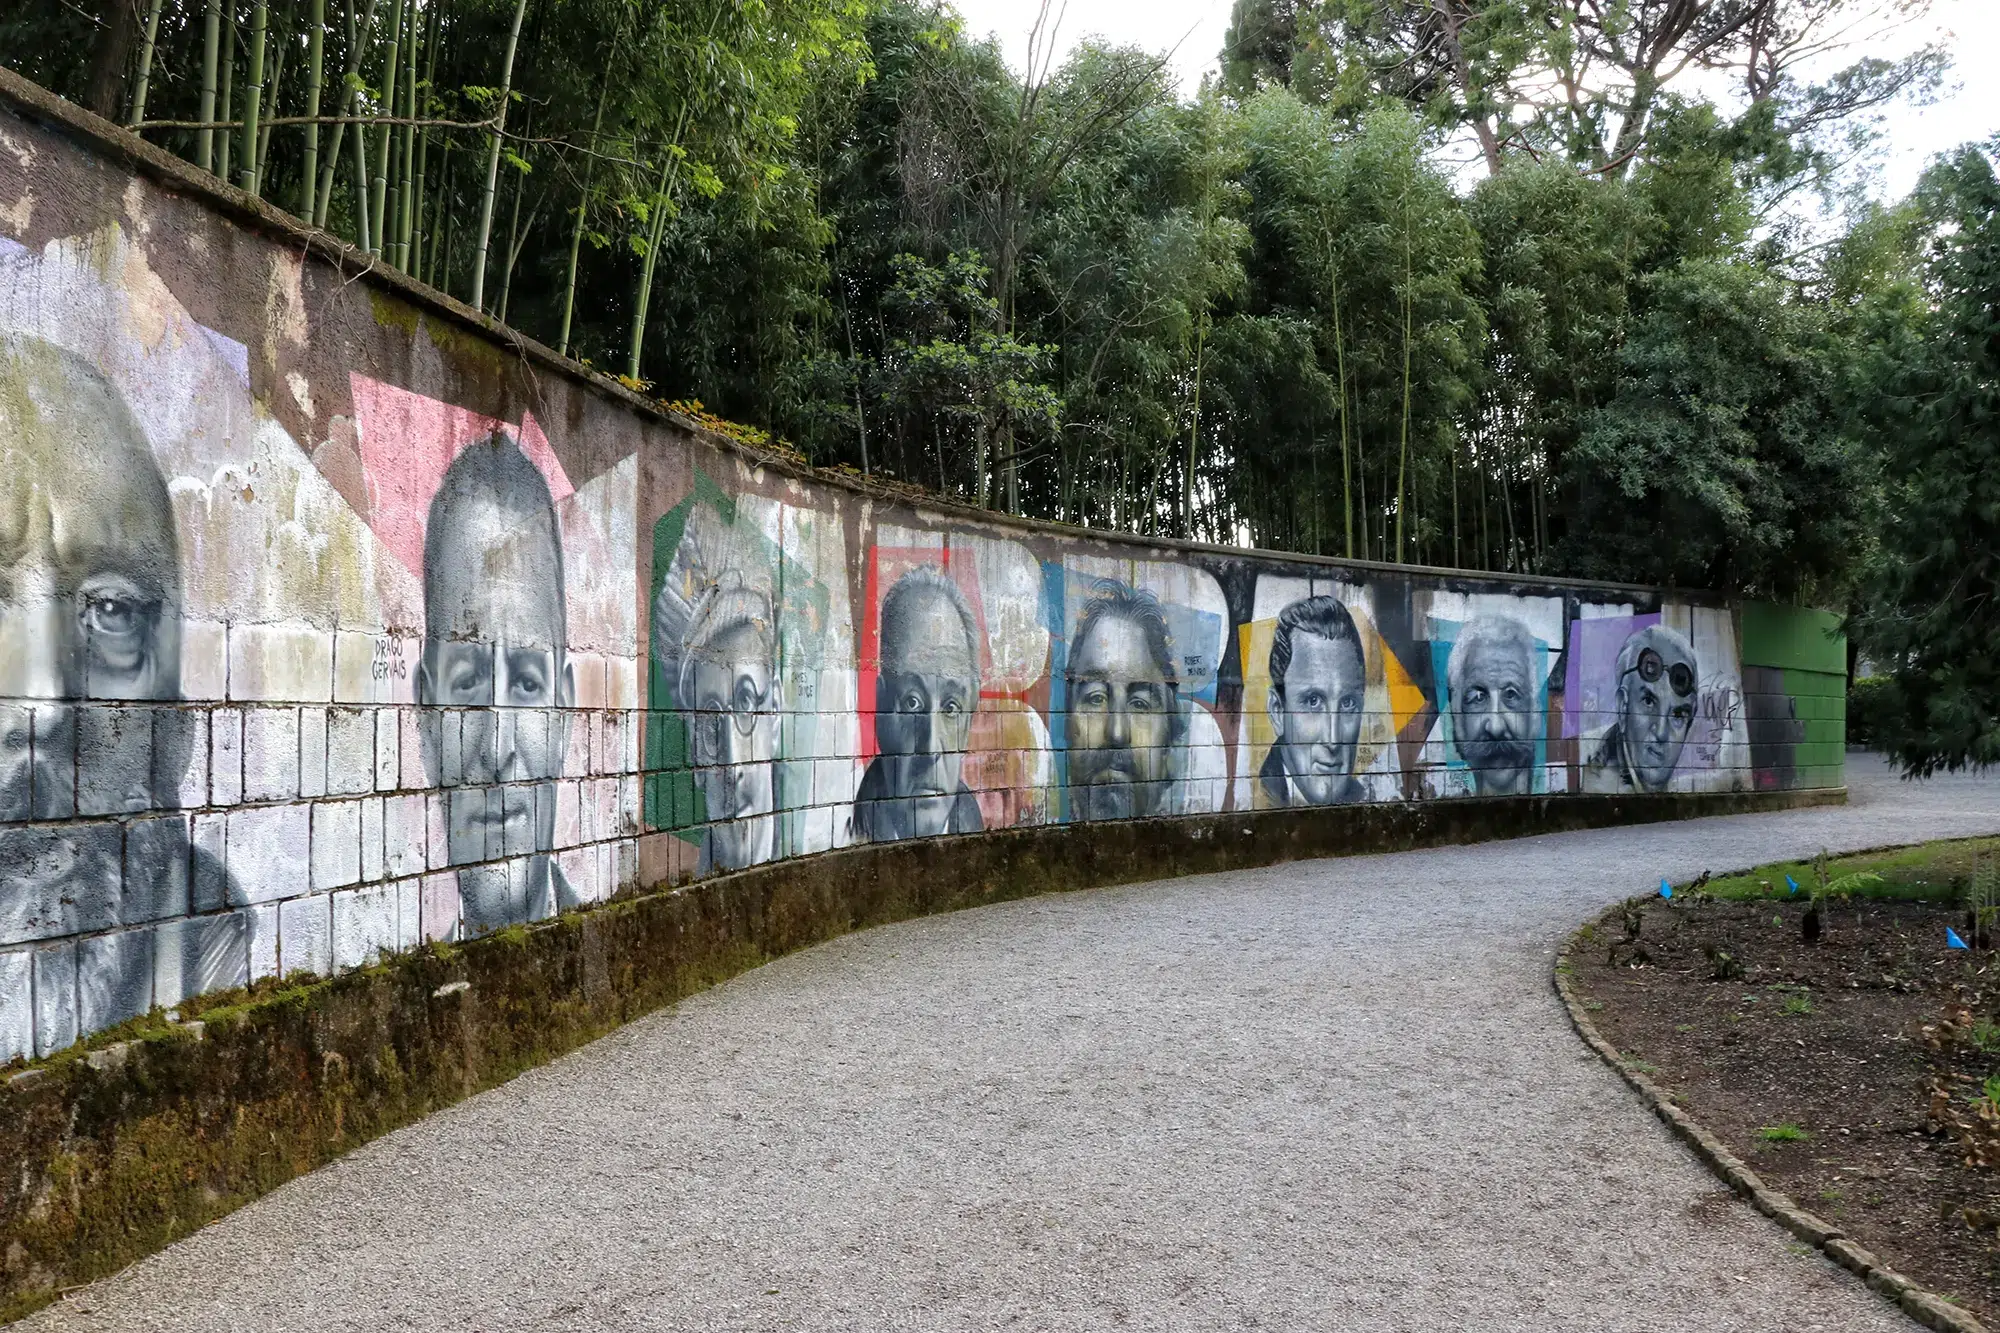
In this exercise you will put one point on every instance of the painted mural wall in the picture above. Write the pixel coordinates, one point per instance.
(330, 626)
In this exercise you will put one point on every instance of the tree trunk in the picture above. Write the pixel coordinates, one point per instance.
(111, 57)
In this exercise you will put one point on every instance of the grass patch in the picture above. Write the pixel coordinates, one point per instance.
(1786, 1132)
(1926, 872)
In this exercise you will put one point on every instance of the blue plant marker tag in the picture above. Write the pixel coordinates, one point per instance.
(1666, 889)
(1793, 885)
(1951, 939)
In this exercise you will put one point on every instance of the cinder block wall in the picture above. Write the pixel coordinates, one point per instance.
(334, 620)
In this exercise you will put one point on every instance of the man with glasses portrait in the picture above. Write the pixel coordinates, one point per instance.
(730, 696)
(1658, 684)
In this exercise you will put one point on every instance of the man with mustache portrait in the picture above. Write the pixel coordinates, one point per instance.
(1495, 719)
(495, 683)
(924, 700)
(1127, 725)
(1318, 683)
(90, 635)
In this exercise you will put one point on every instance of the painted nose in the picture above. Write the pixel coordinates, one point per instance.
(32, 637)
(1118, 728)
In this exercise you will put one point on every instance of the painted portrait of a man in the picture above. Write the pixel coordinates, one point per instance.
(1127, 725)
(1658, 681)
(925, 695)
(730, 695)
(1495, 701)
(90, 631)
(495, 682)
(1318, 678)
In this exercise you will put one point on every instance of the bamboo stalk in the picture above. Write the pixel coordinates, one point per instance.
(418, 235)
(583, 210)
(378, 199)
(409, 202)
(347, 95)
(211, 41)
(145, 65)
(493, 159)
(315, 76)
(272, 91)
(253, 94)
(228, 89)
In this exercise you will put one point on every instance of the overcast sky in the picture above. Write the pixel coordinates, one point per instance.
(1194, 29)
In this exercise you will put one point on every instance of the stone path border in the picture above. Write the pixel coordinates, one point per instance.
(1927, 1308)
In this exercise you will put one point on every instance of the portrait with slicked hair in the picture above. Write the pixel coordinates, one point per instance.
(494, 681)
(1319, 680)
(925, 695)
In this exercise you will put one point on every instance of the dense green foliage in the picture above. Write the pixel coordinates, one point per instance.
(1274, 313)
(1930, 396)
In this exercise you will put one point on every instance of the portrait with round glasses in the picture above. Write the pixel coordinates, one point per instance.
(1656, 697)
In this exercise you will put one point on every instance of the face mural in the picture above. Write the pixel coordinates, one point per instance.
(1495, 703)
(90, 613)
(925, 695)
(1315, 700)
(495, 680)
(730, 694)
(1657, 679)
(1126, 722)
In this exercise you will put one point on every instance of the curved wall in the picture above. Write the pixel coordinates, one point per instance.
(334, 621)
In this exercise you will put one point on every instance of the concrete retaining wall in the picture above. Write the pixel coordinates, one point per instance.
(343, 635)
(334, 621)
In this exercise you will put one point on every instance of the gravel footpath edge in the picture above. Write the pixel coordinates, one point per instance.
(1926, 1307)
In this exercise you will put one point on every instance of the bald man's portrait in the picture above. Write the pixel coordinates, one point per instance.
(925, 695)
(1127, 726)
(1496, 717)
(1318, 682)
(494, 681)
(90, 633)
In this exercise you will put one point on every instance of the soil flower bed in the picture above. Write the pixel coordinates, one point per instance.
(1858, 1072)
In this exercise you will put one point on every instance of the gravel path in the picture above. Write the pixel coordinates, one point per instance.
(1338, 1095)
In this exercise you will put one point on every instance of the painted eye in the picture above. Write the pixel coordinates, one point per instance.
(952, 708)
(1313, 702)
(913, 703)
(1683, 715)
(1350, 703)
(111, 614)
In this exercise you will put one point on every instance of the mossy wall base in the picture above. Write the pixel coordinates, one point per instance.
(111, 1152)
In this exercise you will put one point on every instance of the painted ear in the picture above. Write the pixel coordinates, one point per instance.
(424, 682)
(566, 684)
(1274, 704)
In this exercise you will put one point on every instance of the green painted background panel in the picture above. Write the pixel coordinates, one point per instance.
(1793, 637)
